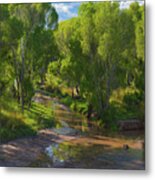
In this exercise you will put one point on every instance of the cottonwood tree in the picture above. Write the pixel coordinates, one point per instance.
(24, 21)
(71, 57)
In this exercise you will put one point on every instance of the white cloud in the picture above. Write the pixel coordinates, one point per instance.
(62, 7)
(126, 4)
(69, 9)
(65, 10)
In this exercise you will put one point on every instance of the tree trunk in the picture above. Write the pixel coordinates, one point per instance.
(77, 90)
(17, 88)
(22, 75)
(72, 92)
(90, 109)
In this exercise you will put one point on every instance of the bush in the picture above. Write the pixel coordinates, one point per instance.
(116, 113)
(67, 101)
(132, 100)
(135, 103)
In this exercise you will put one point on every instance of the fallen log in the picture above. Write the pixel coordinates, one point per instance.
(133, 124)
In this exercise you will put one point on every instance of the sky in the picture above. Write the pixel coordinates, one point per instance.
(67, 10)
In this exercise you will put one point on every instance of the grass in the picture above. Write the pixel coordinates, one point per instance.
(14, 124)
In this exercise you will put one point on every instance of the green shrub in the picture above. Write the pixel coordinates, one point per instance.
(67, 101)
(135, 103)
(131, 100)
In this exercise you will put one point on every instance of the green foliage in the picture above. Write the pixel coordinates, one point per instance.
(67, 101)
(29, 90)
(134, 103)
(14, 124)
(27, 46)
(99, 56)
(96, 57)
(80, 106)
(52, 76)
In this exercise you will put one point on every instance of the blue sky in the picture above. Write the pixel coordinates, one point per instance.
(67, 10)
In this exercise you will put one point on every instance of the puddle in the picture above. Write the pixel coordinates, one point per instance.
(95, 156)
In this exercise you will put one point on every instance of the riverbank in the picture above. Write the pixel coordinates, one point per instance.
(77, 146)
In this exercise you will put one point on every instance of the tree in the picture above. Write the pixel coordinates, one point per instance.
(20, 23)
(101, 43)
(99, 51)
(71, 57)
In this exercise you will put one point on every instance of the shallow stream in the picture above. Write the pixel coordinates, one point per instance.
(90, 148)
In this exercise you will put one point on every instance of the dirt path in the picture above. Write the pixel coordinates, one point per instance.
(22, 152)
(83, 151)
(108, 151)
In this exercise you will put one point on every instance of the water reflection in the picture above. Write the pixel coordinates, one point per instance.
(95, 156)
(94, 148)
